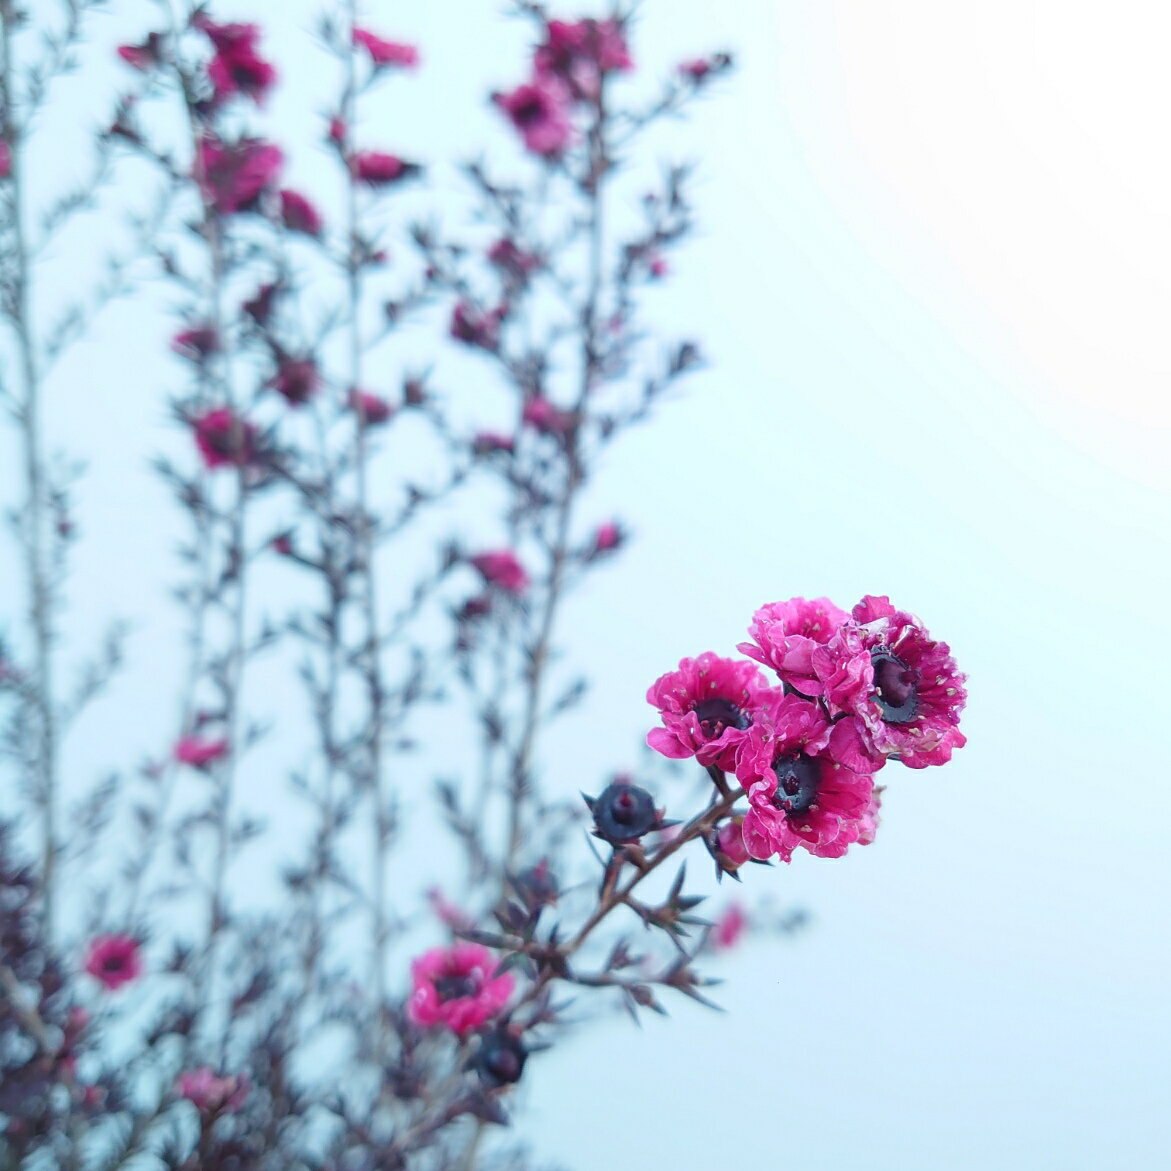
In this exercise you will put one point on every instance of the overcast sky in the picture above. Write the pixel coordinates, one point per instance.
(934, 282)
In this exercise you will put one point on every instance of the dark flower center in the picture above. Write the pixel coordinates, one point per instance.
(456, 987)
(798, 779)
(529, 111)
(896, 687)
(715, 715)
(625, 808)
(113, 963)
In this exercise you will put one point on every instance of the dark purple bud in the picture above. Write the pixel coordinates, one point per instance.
(623, 813)
(500, 1059)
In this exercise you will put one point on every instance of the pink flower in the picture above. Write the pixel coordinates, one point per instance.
(699, 69)
(786, 635)
(799, 792)
(729, 928)
(732, 851)
(546, 418)
(607, 537)
(502, 569)
(909, 692)
(145, 56)
(371, 409)
(236, 66)
(490, 442)
(5, 160)
(296, 379)
(378, 169)
(514, 260)
(211, 1094)
(383, 52)
(658, 267)
(198, 752)
(475, 327)
(540, 111)
(224, 439)
(196, 342)
(114, 960)
(577, 53)
(233, 176)
(454, 987)
(298, 214)
(706, 707)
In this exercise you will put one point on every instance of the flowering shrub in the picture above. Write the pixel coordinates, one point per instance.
(158, 1016)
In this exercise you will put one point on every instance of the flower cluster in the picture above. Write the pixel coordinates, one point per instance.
(848, 693)
(568, 67)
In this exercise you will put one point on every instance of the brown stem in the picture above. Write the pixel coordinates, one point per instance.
(37, 567)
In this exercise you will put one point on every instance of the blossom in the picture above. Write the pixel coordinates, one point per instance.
(297, 379)
(706, 706)
(370, 408)
(5, 160)
(729, 928)
(377, 169)
(210, 1093)
(508, 255)
(233, 176)
(909, 694)
(502, 569)
(224, 439)
(114, 960)
(144, 56)
(198, 752)
(607, 537)
(196, 342)
(475, 327)
(236, 66)
(540, 112)
(799, 791)
(699, 69)
(489, 442)
(578, 52)
(454, 987)
(298, 214)
(545, 417)
(731, 852)
(384, 52)
(785, 635)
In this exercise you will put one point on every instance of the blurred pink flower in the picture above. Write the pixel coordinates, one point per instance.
(384, 52)
(198, 752)
(224, 439)
(540, 111)
(729, 927)
(298, 214)
(502, 569)
(114, 960)
(233, 176)
(454, 987)
(377, 168)
(371, 409)
(211, 1094)
(236, 66)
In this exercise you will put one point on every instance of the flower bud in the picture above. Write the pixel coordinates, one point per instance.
(623, 813)
(500, 1059)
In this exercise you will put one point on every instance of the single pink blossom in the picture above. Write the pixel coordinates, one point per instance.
(607, 537)
(730, 844)
(909, 692)
(198, 752)
(490, 442)
(298, 214)
(577, 53)
(237, 67)
(234, 176)
(297, 380)
(540, 111)
(800, 794)
(371, 409)
(730, 928)
(114, 960)
(210, 1093)
(545, 417)
(707, 705)
(785, 635)
(224, 439)
(144, 56)
(196, 342)
(379, 169)
(384, 52)
(501, 568)
(455, 987)
(475, 327)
